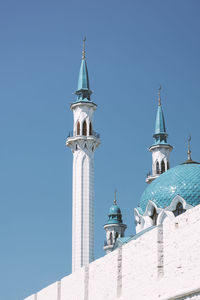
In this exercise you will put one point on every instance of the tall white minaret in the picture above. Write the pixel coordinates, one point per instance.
(160, 149)
(83, 143)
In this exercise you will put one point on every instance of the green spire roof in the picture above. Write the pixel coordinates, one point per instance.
(83, 92)
(160, 133)
(83, 80)
(160, 122)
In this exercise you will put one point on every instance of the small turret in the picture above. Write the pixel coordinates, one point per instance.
(114, 227)
(160, 149)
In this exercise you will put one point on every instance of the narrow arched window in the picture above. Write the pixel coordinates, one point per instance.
(111, 238)
(116, 236)
(154, 216)
(162, 166)
(157, 167)
(167, 165)
(90, 133)
(179, 209)
(84, 128)
(78, 128)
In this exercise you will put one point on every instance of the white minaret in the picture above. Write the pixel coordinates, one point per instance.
(160, 149)
(83, 143)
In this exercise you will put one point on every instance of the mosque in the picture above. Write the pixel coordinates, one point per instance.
(161, 261)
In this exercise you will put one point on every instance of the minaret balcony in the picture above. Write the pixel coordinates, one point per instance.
(94, 136)
(150, 177)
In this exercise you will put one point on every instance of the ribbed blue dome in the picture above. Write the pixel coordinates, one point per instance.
(183, 180)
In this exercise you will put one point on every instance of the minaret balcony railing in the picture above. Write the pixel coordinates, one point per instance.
(94, 133)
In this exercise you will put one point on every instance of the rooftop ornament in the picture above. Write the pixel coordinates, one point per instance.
(189, 158)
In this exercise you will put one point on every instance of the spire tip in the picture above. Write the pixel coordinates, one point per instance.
(83, 53)
(159, 98)
(115, 200)
(189, 151)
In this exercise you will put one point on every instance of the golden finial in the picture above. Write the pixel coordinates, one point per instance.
(159, 98)
(189, 151)
(83, 53)
(115, 200)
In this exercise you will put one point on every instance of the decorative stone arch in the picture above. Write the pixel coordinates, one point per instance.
(162, 166)
(175, 201)
(111, 238)
(78, 129)
(84, 128)
(163, 215)
(90, 128)
(157, 167)
(167, 163)
(150, 207)
(144, 221)
(139, 221)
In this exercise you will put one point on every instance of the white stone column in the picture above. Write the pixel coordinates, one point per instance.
(83, 147)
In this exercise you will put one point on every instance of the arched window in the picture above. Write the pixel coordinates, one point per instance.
(167, 165)
(111, 239)
(90, 133)
(116, 236)
(179, 209)
(162, 166)
(84, 128)
(157, 167)
(154, 216)
(78, 128)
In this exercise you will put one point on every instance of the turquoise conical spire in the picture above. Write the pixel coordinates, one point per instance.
(160, 134)
(83, 92)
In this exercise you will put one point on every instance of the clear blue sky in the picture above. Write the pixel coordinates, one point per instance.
(132, 48)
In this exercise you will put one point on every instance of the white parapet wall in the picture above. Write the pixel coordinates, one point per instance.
(163, 263)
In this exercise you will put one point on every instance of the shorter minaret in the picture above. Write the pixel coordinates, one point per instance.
(160, 149)
(114, 227)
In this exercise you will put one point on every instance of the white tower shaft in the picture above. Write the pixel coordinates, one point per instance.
(83, 144)
(83, 207)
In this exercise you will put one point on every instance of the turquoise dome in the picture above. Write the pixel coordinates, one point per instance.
(114, 215)
(114, 210)
(183, 180)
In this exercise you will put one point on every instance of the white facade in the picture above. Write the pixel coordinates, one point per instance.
(161, 264)
(83, 144)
